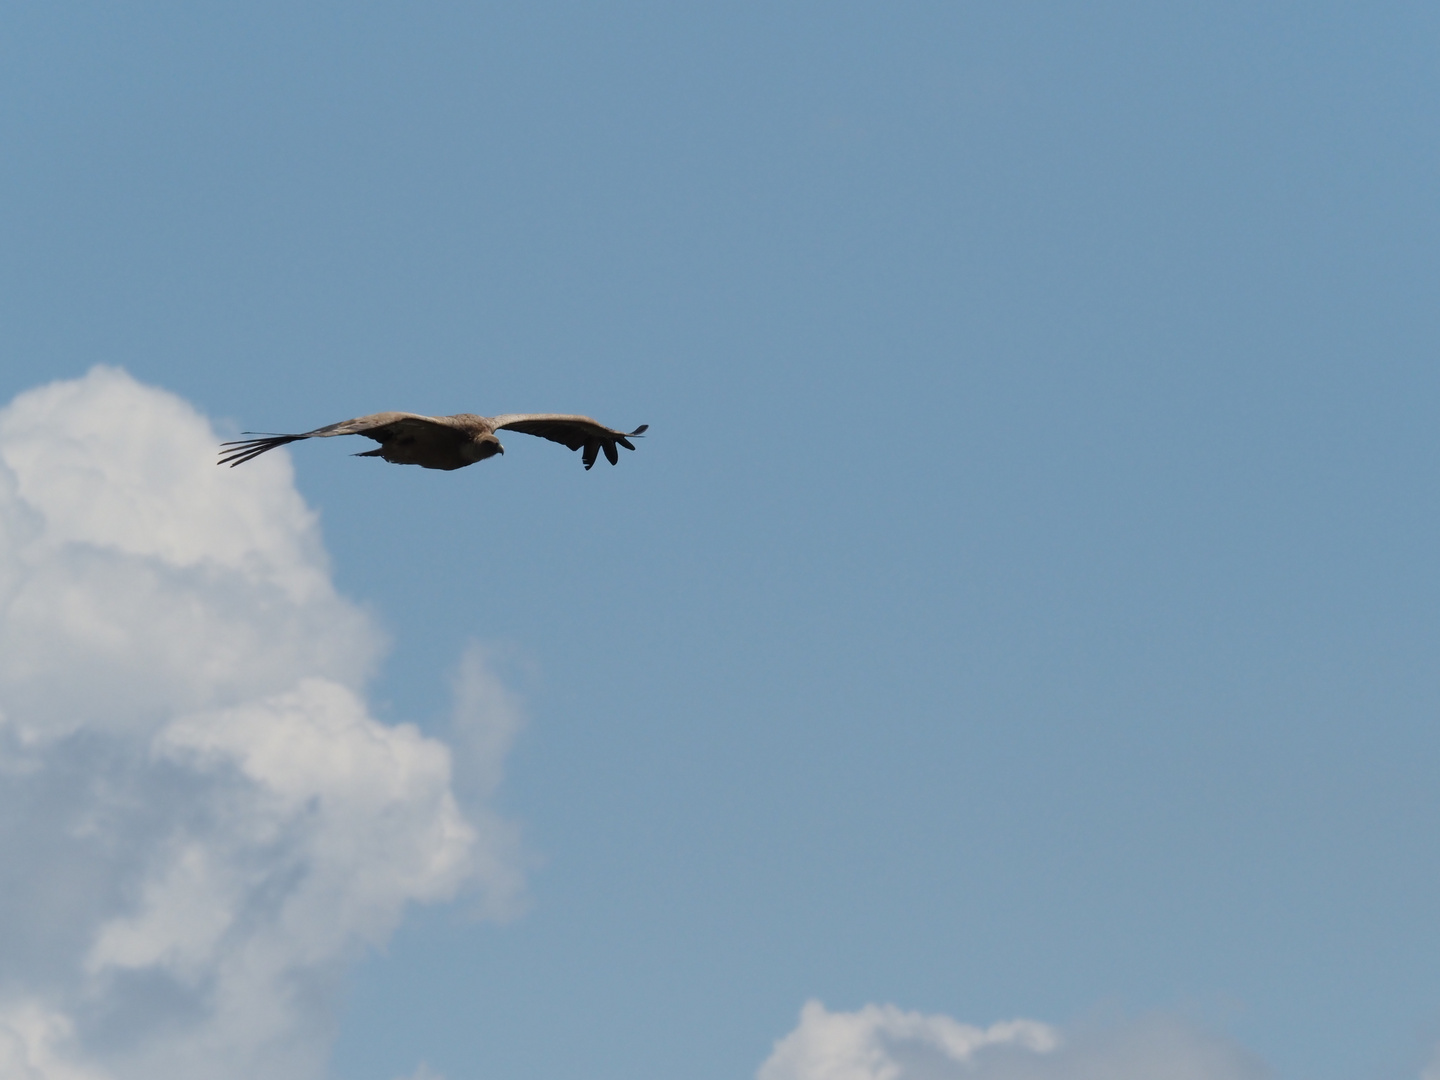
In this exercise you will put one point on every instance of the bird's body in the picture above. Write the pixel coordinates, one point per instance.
(448, 442)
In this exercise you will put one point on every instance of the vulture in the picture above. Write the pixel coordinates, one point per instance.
(447, 442)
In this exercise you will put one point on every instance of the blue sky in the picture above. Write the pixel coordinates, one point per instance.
(1024, 602)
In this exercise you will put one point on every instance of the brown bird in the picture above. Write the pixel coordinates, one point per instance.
(447, 442)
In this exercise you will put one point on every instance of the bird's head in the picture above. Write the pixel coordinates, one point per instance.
(484, 446)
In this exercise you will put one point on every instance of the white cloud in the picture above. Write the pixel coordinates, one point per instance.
(880, 1042)
(127, 555)
(486, 719)
(36, 1044)
(488, 715)
(200, 822)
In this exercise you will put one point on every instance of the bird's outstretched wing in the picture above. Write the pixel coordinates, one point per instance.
(378, 426)
(576, 432)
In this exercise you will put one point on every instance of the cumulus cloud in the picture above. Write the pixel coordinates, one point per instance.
(881, 1042)
(201, 823)
(487, 717)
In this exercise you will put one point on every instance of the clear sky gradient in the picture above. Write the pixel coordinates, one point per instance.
(1024, 603)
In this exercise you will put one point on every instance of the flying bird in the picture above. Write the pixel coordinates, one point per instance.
(447, 442)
